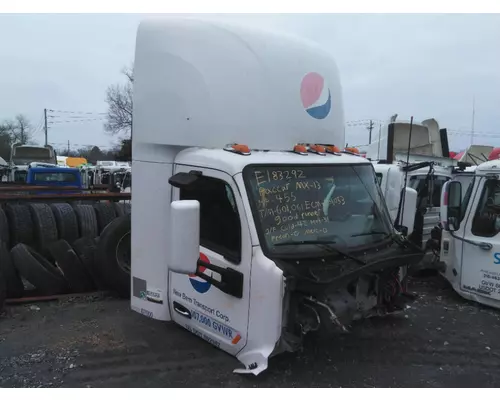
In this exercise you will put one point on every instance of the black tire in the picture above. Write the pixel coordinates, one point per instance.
(44, 224)
(79, 280)
(112, 258)
(38, 270)
(85, 248)
(87, 221)
(4, 228)
(67, 223)
(3, 291)
(122, 209)
(105, 213)
(13, 281)
(20, 224)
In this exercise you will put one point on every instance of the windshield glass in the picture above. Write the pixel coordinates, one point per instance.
(54, 177)
(339, 203)
(20, 176)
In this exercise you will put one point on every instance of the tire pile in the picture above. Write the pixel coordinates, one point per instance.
(62, 248)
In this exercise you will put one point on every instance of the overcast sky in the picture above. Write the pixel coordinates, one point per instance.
(428, 66)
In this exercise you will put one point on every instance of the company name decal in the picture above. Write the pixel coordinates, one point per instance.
(209, 310)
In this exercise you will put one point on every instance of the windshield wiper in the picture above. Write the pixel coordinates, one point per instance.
(371, 233)
(295, 242)
(325, 244)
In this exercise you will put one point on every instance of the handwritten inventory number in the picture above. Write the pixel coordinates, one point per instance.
(270, 176)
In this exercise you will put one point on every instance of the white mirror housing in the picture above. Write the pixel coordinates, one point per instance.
(184, 236)
(410, 209)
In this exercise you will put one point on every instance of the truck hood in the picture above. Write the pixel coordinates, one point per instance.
(340, 272)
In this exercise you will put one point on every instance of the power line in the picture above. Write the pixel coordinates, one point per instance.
(103, 146)
(75, 121)
(76, 112)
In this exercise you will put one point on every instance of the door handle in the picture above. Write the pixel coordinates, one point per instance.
(482, 245)
(179, 308)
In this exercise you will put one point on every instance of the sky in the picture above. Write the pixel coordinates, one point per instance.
(420, 65)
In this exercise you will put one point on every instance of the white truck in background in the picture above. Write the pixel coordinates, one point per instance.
(252, 245)
(421, 163)
(424, 163)
(470, 241)
(21, 156)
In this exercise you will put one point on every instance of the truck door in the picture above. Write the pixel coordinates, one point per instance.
(480, 273)
(428, 202)
(196, 304)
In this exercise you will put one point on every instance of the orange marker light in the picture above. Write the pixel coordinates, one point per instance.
(236, 339)
(352, 150)
(300, 149)
(316, 148)
(241, 148)
(332, 149)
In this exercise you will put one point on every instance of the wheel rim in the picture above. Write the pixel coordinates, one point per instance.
(123, 252)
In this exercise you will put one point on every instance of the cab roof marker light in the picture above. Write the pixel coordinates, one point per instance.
(317, 149)
(300, 149)
(331, 149)
(351, 150)
(241, 149)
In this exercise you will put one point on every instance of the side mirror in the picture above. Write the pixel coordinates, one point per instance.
(184, 236)
(451, 206)
(410, 208)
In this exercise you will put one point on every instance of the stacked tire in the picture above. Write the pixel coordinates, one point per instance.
(64, 248)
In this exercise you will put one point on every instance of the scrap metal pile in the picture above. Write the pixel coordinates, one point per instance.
(52, 245)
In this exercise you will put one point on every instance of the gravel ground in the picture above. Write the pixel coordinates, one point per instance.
(440, 341)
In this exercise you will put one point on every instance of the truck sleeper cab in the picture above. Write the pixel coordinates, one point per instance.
(252, 246)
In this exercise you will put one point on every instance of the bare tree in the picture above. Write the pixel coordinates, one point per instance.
(120, 105)
(18, 130)
(23, 130)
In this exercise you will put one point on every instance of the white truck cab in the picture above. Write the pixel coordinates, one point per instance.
(252, 245)
(470, 242)
(419, 161)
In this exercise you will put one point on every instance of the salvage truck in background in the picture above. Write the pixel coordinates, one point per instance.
(470, 242)
(417, 155)
(254, 244)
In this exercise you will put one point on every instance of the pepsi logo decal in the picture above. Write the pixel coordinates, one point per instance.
(198, 284)
(315, 95)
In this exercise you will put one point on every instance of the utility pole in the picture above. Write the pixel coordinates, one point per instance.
(370, 128)
(46, 132)
(68, 147)
(473, 117)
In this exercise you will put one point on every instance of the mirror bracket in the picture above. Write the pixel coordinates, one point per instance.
(184, 179)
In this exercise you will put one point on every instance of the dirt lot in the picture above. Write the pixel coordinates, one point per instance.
(441, 341)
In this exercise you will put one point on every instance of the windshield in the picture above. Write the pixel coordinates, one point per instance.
(20, 176)
(341, 204)
(54, 177)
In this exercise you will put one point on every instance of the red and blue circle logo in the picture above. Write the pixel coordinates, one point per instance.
(198, 284)
(315, 95)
